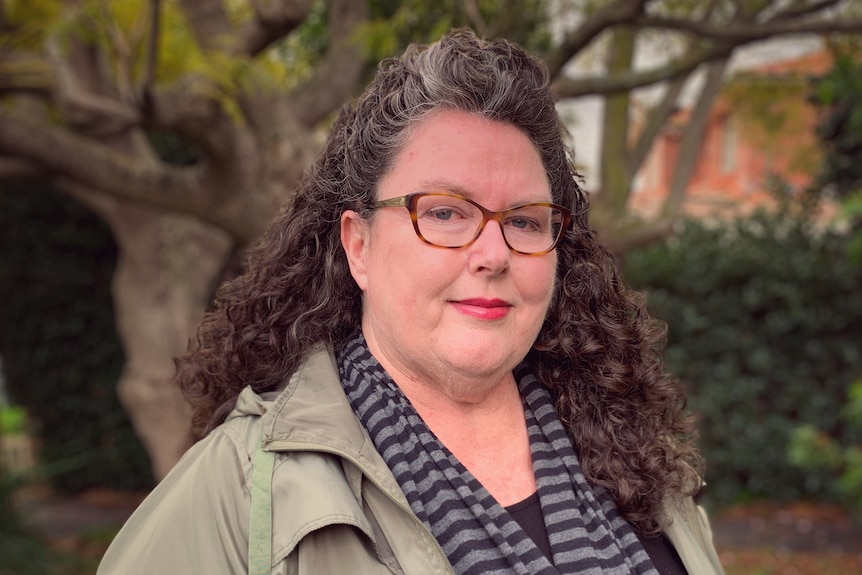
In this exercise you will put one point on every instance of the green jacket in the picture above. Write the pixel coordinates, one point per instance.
(336, 507)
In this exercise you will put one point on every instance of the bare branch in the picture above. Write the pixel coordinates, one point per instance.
(508, 22)
(719, 41)
(471, 7)
(20, 169)
(209, 23)
(806, 10)
(659, 114)
(121, 47)
(744, 32)
(80, 106)
(336, 76)
(188, 109)
(645, 233)
(613, 14)
(152, 51)
(655, 122)
(101, 166)
(273, 20)
(577, 87)
(616, 125)
(692, 139)
(25, 73)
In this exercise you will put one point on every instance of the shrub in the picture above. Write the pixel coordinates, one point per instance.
(21, 551)
(765, 334)
(811, 448)
(61, 355)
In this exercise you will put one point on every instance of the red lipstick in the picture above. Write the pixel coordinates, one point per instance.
(483, 308)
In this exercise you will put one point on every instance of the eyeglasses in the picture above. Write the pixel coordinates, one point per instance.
(451, 221)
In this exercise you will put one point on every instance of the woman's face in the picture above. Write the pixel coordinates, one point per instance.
(453, 319)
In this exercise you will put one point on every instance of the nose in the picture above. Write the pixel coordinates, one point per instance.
(489, 253)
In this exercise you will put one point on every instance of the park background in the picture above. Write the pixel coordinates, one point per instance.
(144, 144)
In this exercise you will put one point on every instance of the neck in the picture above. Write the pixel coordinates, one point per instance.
(437, 386)
(465, 404)
(488, 437)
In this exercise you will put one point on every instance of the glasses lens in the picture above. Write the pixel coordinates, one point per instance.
(454, 222)
(447, 221)
(532, 229)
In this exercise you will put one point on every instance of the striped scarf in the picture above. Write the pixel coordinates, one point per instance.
(586, 532)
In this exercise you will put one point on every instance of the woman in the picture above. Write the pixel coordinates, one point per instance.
(430, 365)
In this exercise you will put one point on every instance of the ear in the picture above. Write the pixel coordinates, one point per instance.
(354, 238)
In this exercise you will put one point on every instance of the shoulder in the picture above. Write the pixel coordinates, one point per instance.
(691, 535)
(195, 520)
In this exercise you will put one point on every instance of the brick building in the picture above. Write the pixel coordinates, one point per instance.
(745, 145)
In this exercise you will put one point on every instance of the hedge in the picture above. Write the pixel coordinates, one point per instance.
(61, 355)
(765, 333)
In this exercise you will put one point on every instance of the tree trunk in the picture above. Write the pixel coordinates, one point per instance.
(164, 280)
(168, 267)
(610, 205)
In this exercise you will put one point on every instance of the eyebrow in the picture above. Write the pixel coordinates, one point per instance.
(437, 185)
(443, 186)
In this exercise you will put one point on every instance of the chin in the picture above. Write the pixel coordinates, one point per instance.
(481, 363)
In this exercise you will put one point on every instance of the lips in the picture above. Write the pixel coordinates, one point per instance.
(483, 308)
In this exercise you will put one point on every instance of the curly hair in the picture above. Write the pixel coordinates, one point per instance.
(598, 352)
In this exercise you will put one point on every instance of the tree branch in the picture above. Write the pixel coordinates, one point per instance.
(657, 118)
(273, 20)
(152, 54)
(613, 14)
(209, 24)
(19, 169)
(25, 73)
(655, 122)
(335, 77)
(102, 167)
(719, 40)
(616, 126)
(802, 11)
(621, 241)
(745, 32)
(692, 139)
(199, 118)
(577, 87)
(80, 104)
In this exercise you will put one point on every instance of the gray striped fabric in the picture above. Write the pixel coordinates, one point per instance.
(586, 532)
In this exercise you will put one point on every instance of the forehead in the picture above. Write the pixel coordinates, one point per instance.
(468, 154)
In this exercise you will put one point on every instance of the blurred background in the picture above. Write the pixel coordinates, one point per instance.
(144, 144)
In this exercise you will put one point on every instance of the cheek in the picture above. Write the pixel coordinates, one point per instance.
(539, 281)
(394, 275)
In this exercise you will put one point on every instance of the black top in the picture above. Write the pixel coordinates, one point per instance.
(528, 514)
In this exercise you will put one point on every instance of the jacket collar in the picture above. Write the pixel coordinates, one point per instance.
(312, 413)
(313, 409)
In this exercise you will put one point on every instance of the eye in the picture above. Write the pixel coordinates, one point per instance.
(442, 214)
(522, 223)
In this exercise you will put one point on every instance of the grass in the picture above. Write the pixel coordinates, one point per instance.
(799, 538)
(772, 562)
(80, 555)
